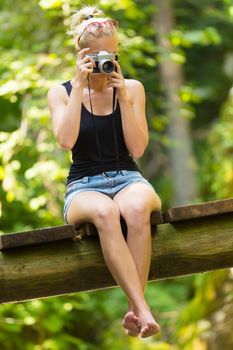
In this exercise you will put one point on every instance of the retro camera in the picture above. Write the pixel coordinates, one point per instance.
(104, 61)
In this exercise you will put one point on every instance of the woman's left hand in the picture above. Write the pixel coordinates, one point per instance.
(117, 80)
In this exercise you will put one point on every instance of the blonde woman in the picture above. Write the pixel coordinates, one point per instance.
(100, 117)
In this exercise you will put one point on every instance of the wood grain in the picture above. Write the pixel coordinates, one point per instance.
(199, 210)
(38, 236)
(57, 233)
(50, 269)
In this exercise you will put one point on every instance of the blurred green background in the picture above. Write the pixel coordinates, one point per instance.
(182, 51)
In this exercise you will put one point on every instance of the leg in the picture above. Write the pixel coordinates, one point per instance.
(104, 213)
(136, 202)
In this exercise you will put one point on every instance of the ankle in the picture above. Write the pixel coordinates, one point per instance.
(142, 309)
(130, 307)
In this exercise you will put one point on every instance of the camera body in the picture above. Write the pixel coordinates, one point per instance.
(104, 61)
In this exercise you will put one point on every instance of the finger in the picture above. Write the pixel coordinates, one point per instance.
(116, 85)
(85, 68)
(114, 74)
(119, 82)
(84, 59)
(117, 66)
(88, 65)
(87, 71)
(88, 59)
(117, 79)
(117, 75)
(82, 52)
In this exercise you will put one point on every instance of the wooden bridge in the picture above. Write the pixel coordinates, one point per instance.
(67, 259)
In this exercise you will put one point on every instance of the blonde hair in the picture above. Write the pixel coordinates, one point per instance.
(80, 19)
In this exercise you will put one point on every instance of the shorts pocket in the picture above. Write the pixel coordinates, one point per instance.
(76, 183)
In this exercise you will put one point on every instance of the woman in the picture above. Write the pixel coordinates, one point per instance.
(104, 182)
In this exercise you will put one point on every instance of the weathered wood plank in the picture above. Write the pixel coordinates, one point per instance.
(57, 233)
(53, 234)
(156, 218)
(179, 248)
(193, 211)
(37, 236)
(90, 229)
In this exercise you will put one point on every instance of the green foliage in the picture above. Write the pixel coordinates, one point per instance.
(193, 322)
(85, 321)
(36, 53)
(217, 168)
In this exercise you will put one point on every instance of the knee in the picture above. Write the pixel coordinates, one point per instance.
(158, 204)
(138, 214)
(106, 214)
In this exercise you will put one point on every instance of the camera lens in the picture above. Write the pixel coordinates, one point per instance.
(106, 66)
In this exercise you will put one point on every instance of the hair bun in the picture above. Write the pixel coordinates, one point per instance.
(82, 15)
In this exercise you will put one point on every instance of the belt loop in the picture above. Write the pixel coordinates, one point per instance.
(85, 179)
(124, 172)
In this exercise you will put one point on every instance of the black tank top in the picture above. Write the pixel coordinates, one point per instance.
(85, 155)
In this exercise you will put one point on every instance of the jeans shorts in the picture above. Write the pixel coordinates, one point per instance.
(109, 184)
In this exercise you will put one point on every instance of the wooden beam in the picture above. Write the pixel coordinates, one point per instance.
(179, 248)
(177, 214)
(43, 235)
(198, 210)
(59, 233)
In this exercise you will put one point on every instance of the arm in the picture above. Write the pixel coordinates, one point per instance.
(131, 96)
(134, 120)
(66, 112)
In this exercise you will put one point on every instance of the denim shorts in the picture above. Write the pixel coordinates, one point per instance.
(109, 183)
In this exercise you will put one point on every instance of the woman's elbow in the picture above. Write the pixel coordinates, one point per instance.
(138, 153)
(64, 139)
(64, 143)
(64, 146)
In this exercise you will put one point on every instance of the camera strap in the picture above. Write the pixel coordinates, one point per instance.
(97, 134)
(115, 131)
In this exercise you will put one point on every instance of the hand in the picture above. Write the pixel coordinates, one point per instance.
(117, 80)
(85, 66)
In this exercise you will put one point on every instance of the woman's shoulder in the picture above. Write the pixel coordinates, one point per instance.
(59, 91)
(134, 87)
(133, 83)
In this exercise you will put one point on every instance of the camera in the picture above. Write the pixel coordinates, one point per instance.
(104, 61)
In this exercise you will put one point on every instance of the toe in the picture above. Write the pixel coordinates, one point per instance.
(132, 334)
(144, 331)
(131, 324)
(149, 330)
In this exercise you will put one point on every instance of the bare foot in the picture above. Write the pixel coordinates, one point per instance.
(149, 325)
(131, 324)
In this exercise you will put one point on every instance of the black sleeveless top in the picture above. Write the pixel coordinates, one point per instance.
(85, 154)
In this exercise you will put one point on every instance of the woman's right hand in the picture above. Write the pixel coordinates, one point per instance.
(85, 66)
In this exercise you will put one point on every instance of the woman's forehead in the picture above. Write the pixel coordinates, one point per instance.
(105, 43)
